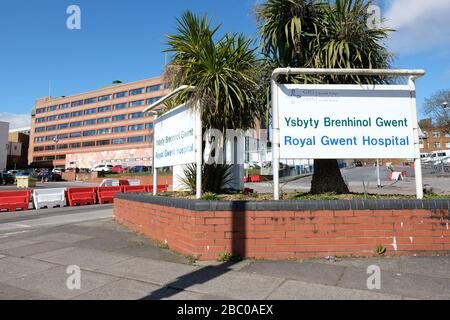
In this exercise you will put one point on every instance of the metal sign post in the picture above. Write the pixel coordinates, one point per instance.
(199, 149)
(412, 74)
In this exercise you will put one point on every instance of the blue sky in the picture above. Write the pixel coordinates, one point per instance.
(123, 40)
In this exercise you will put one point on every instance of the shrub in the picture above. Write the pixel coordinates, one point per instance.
(215, 178)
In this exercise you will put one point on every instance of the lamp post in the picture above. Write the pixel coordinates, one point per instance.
(56, 141)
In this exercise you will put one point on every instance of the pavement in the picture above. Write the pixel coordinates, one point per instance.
(36, 250)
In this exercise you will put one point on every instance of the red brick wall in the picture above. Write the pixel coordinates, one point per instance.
(289, 234)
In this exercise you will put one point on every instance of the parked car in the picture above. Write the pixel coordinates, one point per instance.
(358, 164)
(103, 168)
(118, 169)
(6, 178)
(48, 176)
(140, 169)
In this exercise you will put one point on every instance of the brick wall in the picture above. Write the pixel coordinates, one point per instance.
(288, 234)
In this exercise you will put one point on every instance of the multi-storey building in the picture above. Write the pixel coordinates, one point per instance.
(4, 129)
(19, 142)
(436, 138)
(97, 127)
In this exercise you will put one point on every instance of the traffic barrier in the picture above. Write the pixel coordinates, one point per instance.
(161, 188)
(81, 196)
(134, 189)
(255, 179)
(106, 194)
(49, 198)
(134, 182)
(13, 200)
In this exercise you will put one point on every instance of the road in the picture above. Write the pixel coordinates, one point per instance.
(36, 250)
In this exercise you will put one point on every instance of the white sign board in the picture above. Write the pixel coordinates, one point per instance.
(174, 141)
(346, 122)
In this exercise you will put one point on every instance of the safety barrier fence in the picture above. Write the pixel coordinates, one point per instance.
(60, 197)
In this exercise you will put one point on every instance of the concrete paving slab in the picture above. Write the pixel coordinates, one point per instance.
(299, 290)
(430, 266)
(148, 270)
(220, 282)
(53, 282)
(123, 289)
(8, 292)
(2, 256)
(89, 259)
(12, 267)
(151, 251)
(385, 264)
(173, 294)
(304, 271)
(62, 237)
(236, 266)
(410, 285)
(33, 249)
(10, 244)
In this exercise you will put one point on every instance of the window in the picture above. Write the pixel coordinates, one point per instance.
(90, 122)
(38, 149)
(50, 148)
(41, 110)
(154, 88)
(90, 111)
(437, 145)
(62, 146)
(447, 145)
(75, 134)
(104, 109)
(103, 143)
(61, 157)
(119, 118)
(64, 106)
(137, 103)
(77, 114)
(52, 108)
(63, 136)
(103, 120)
(38, 159)
(39, 130)
(136, 127)
(89, 133)
(120, 106)
(436, 134)
(75, 145)
(120, 94)
(149, 126)
(104, 131)
(447, 135)
(39, 139)
(119, 129)
(52, 128)
(90, 100)
(89, 144)
(50, 138)
(137, 91)
(136, 115)
(105, 98)
(63, 126)
(119, 141)
(76, 124)
(64, 116)
(50, 158)
(77, 103)
(152, 100)
(40, 120)
(52, 118)
(148, 138)
(135, 139)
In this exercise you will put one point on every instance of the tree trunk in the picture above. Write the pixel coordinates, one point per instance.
(328, 178)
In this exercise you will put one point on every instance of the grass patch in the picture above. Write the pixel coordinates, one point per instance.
(229, 257)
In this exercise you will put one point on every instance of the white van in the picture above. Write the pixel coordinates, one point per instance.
(438, 155)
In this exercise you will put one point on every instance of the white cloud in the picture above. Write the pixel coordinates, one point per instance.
(16, 121)
(422, 26)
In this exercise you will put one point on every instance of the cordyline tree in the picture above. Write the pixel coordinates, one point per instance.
(322, 34)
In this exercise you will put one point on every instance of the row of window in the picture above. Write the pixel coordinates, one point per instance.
(437, 134)
(76, 124)
(89, 144)
(50, 158)
(89, 133)
(437, 145)
(109, 97)
(120, 106)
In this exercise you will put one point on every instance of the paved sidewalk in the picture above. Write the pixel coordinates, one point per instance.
(118, 264)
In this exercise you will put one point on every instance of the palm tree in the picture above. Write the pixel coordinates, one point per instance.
(323, 34)
(226, 73)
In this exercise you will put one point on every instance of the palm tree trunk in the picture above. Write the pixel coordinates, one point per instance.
(328, 178)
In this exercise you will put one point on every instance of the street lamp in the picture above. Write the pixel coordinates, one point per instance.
(55, 140)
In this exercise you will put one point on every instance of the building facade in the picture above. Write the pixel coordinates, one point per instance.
(4, 130)
(97, 127)
(18, 146)
(436, 138)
